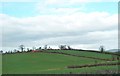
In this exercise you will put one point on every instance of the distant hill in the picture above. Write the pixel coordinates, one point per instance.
(113, 50)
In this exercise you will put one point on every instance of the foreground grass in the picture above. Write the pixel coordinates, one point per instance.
(86, 70)
(0, 64)
(44, 63)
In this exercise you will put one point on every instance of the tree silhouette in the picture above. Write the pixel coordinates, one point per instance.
(69, 48)
(1, 51)
(15, 50)
(45, 47)
(22, 47)
(102, 49)
(62, 47)
(39, 48)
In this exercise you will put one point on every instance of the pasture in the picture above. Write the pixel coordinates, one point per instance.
(50, 63)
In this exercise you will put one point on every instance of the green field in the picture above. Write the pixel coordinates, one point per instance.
(46, 63)
(0, 64)
(83, 53)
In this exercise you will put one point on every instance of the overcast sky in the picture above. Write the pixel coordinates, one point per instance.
(80, 24)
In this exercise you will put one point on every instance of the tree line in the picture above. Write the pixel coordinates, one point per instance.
(22, 48)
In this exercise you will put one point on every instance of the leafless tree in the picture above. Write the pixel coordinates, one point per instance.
(45, 47)
(62, 47)
(102, 49)
(15, 50)
(69, 48)
(22, 47)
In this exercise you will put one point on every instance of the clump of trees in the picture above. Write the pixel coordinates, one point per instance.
(62, 47)
(102, 48)
(65, 47)
(69, 48)
(22, 47)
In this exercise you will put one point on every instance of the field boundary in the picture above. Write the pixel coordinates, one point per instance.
(93, 65)
(105, 52)
(98, 52)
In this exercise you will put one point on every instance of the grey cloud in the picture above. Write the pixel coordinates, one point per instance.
(63, 30)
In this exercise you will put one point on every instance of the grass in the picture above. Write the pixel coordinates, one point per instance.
(88, 70)
(83, 53)
(0, 64)
(45, 63)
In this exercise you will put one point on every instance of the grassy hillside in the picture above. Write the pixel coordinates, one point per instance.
(36, 63)
(84, 53)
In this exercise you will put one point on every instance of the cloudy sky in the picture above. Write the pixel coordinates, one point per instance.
(80, 24)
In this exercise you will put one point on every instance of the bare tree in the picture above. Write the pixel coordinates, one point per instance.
(45, 47)
(28, 50)
(15, 50)
(102, 49)
(69, 48)
(49, 48)
(22, 47)
(62, 47)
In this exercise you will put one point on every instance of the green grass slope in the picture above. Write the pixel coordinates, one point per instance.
(84, 53)
(38, 63)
